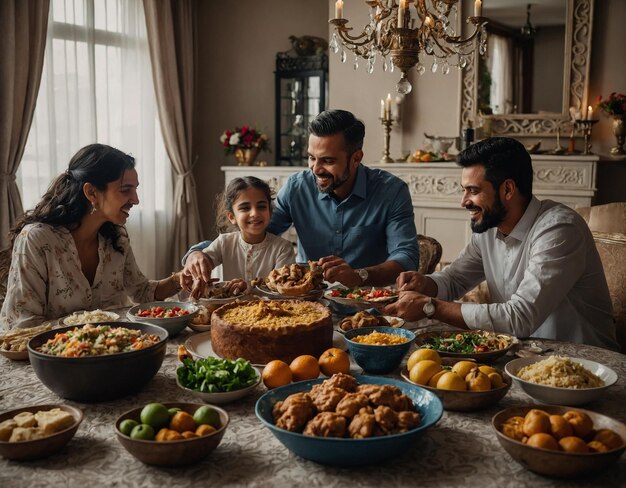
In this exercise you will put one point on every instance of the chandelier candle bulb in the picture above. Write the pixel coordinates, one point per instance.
(478, 8)
(401, 12)
(339, 9)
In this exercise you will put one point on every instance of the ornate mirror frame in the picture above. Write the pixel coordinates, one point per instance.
(575, 83)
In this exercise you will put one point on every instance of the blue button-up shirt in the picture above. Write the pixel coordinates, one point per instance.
(373, 225)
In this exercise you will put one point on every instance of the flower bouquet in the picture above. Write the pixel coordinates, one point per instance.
(615, 107)
(245, 143)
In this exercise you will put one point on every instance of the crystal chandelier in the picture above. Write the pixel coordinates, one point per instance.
(392, 32)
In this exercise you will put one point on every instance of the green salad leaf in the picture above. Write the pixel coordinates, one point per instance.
(215, 375)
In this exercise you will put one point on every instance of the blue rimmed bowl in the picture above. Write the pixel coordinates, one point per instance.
(351, 452)
(379, 359)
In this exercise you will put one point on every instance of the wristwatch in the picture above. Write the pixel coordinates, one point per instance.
(363, 274)
(429, 308)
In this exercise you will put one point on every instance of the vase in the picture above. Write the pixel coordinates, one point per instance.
(247, 156)
(619, 129)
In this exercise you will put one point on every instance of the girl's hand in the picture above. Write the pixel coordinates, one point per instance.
(237, 286)
(199, 266)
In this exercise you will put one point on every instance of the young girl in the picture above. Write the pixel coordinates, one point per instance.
(247, 253)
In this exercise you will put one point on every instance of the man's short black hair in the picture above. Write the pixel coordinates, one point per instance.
(331, 122)
(503, 158)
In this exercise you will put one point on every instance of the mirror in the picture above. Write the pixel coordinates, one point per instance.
(515, 89)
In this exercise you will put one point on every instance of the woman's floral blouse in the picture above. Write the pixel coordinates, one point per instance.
(46, 280)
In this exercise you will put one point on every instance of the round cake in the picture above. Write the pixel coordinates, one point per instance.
(263, 330)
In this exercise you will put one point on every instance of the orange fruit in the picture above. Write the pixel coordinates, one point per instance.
(304, 367)
(334, 360)
(204, 429)
(182, 421)
(276, 373)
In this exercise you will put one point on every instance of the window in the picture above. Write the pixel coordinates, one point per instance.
(97, 87)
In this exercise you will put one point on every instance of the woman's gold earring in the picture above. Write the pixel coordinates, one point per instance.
(93, 208)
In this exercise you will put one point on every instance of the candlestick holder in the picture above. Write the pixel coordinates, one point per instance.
(585, 125)
(387, 122)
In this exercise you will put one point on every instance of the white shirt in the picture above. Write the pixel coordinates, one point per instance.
(248, 261)
(545, 279)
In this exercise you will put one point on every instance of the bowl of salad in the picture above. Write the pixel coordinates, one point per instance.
(481, 345)
(98, 362)
(362, 297)
(172, 316)
(216, 380)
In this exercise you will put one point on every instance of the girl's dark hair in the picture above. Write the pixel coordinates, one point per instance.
(226, 200)
(65, 202)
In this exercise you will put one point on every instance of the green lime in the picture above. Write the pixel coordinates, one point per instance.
(143, 432)
(173, 411)
(155, 415)
(127, 425)
(207, 415)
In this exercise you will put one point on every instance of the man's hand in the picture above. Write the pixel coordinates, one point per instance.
(411, 281)
(336, 269)
(409, 306)
(198, 266)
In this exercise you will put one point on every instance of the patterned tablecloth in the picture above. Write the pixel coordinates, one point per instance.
(461, 450)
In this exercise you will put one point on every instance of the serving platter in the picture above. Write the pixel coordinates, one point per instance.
(430, 338)
(199, 345)
(396, 322)
(101, 316)
(264, 291)
(361, 303)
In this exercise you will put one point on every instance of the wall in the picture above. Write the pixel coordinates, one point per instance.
(549, 58)
(237, 44)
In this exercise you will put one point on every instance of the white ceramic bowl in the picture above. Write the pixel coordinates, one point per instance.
(173, 325)
(222, 397)
(562, 396)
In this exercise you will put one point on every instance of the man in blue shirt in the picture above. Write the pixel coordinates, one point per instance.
(357, 222)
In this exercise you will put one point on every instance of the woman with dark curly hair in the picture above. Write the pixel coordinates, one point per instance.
(72, 251)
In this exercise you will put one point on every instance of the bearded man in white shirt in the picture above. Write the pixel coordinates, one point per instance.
(539, 259)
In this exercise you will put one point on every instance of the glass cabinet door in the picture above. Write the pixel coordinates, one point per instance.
(300, 96)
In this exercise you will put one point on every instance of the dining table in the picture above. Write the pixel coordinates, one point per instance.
(460, 450)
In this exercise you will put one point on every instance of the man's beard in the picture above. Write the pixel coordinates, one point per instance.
(334, 183)
(490, 218)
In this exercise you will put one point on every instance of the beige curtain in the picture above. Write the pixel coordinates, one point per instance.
(23, 25)
(171, 39)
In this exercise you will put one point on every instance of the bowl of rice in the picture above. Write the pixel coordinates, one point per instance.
(379, 350)
(561, 380)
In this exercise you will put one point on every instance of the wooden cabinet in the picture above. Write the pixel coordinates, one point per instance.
(436, 191)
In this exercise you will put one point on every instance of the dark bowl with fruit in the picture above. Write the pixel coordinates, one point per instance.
(96, 377)
(162, 435)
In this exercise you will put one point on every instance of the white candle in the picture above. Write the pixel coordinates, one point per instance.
(401, 9)
(339, 9)
(382, 109)
(478, 8)
(388, 106)
(589, 112)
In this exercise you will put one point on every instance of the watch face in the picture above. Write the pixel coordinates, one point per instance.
(363, 274)
(429, 309)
